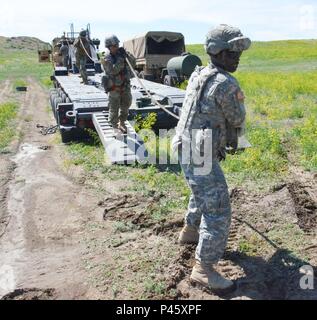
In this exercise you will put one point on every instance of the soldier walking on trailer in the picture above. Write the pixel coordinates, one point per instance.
(82, 46)
(64, 51)
(117, 83)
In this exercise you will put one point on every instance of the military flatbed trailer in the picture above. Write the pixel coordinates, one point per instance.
(77, 107)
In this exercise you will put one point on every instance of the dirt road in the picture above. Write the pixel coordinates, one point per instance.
(42, 212)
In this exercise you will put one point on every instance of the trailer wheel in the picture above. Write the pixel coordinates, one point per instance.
(52, 101)
(60, 92)
(52, 97)
(57, 101)
(63, 96)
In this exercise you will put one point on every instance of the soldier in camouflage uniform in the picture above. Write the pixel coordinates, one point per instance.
(64, 51)
(212, 113)
(117, 74)
(82, 46)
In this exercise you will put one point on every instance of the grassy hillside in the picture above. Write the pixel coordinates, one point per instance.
(19, 59)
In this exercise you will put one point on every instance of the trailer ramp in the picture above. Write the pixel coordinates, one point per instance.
(120, 148)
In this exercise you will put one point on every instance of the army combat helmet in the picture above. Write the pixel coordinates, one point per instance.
(83, 33)
(111, 40)
(225, 37)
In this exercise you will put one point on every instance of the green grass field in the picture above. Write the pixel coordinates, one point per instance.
(8, 112)
(280, 83)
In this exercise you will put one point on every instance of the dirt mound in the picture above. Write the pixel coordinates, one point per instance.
(305, 206)
(130, 208)
(257, 262)
(31, 294)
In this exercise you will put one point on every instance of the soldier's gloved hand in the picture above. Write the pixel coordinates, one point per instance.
(122, 52)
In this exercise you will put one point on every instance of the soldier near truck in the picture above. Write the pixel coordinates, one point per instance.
(212, 115)
(117, 82)
(64, 51)
(82, 46)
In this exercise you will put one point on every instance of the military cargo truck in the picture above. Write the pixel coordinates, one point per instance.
(161, 57)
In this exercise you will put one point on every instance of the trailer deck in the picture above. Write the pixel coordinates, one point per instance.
(78, 106)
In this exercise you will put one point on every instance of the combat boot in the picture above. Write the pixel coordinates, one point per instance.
(188, 235)
(122, 127)
(116, 131)
(205, 275)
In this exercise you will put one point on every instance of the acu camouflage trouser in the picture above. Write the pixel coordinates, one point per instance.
(209, 211)
(81, 65)
(119, 104)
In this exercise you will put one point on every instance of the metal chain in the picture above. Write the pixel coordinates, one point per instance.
(47, 130)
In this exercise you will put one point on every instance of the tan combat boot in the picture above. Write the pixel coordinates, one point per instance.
(188, 235)
(116, 131)
(122, 127)
(206, 276)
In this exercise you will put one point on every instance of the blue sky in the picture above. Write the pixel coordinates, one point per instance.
(269, 20)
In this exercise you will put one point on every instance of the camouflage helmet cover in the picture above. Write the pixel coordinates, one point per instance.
(225, 37)
(111, 40)
(83, 33)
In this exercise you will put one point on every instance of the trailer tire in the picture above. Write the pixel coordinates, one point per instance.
(52, 96)
(57, 101)
(60, 92)
(64, 97)
(52, 101)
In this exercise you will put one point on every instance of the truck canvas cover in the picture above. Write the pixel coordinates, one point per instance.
(156, 42)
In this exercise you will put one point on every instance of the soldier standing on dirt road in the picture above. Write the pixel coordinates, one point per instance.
(212, 113)
(82, 46)
(117, 83)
